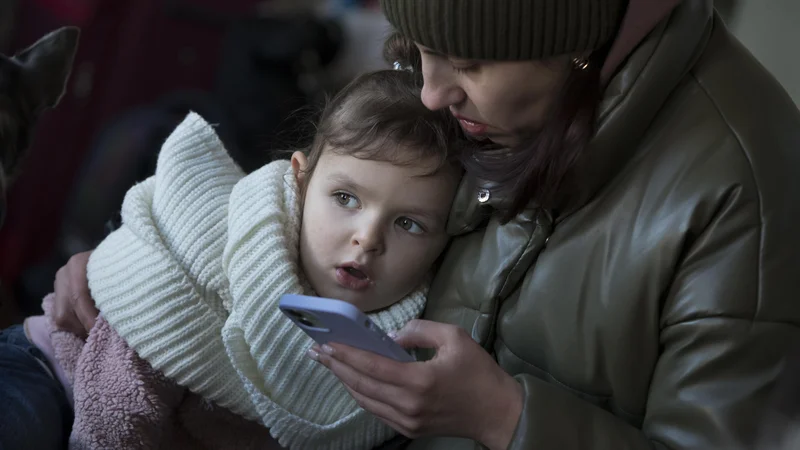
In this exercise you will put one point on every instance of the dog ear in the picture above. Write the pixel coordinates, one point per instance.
(47, 64)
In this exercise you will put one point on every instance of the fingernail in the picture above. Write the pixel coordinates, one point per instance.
(315, 347)
(327, 349)
(392, 335)
(312, 354)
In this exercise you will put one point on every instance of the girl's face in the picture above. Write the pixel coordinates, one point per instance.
(371, 230)
(495, 100)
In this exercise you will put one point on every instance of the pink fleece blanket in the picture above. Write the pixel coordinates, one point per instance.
(123, 403)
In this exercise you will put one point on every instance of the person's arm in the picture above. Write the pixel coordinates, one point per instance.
(728, 321)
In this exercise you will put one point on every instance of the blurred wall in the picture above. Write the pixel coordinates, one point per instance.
(8, 10)
(771, 30)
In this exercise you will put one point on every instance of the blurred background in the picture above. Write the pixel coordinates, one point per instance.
(256, 68)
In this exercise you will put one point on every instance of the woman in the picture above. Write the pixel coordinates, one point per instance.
(627, 274)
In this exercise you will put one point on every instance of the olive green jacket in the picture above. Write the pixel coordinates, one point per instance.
(656, 312)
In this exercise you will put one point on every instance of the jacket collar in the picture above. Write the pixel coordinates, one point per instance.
(631, 101)
(637, 93)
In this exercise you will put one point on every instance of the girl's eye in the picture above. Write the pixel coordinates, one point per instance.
(346, 200)
(410, 225)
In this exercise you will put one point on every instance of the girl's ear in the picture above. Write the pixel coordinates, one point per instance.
(299, 166)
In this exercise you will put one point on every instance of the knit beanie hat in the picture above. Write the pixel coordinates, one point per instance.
(506, 29)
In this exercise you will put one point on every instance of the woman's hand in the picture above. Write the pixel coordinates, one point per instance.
(73, 306)
(460, 392)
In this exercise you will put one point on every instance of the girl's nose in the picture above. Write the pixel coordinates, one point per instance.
(369, 237)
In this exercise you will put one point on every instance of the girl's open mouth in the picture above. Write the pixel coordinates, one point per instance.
(356, 273)
(352, 278)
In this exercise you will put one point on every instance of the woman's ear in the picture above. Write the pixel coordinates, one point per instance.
(299, 166)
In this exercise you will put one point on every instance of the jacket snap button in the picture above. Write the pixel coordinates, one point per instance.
(484, 195)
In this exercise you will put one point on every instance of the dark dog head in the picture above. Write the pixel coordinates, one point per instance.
(30, 82)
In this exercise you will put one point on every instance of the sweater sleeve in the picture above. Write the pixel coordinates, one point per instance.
(727, 325)
(120, 401)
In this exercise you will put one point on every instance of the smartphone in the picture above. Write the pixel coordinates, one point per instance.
(327, 320)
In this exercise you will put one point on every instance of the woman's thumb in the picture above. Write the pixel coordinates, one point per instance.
(419, 334)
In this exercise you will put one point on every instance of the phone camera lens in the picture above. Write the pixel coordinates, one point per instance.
(301, 318)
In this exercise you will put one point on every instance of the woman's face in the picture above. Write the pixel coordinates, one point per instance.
(495, 100)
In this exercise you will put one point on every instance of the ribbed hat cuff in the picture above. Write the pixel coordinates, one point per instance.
(506, 29)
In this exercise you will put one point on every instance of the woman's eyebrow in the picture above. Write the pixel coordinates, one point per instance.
(455, 59)
(430, 51)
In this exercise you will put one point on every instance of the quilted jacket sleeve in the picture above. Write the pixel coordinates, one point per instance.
(728, 321)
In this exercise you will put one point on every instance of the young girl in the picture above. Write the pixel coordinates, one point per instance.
(191, 281)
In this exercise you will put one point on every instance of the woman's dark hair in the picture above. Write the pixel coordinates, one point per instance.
(380, 116)
(536, 169)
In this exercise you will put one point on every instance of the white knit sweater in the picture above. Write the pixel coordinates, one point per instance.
(192, 281)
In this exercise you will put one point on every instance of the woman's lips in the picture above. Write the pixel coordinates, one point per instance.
(351, 278)
(471, 127)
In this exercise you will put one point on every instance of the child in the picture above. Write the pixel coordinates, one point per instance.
(191, 281)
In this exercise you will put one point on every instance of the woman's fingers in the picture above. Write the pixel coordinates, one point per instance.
(66, 320)
(405, 391)
(86, 311)
(380, 410)
(426, 334)
(395, 416)
(73, 308)
(365, 374)
(367, 363)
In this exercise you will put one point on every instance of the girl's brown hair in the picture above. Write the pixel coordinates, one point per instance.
(379, 116)
(536, 169)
